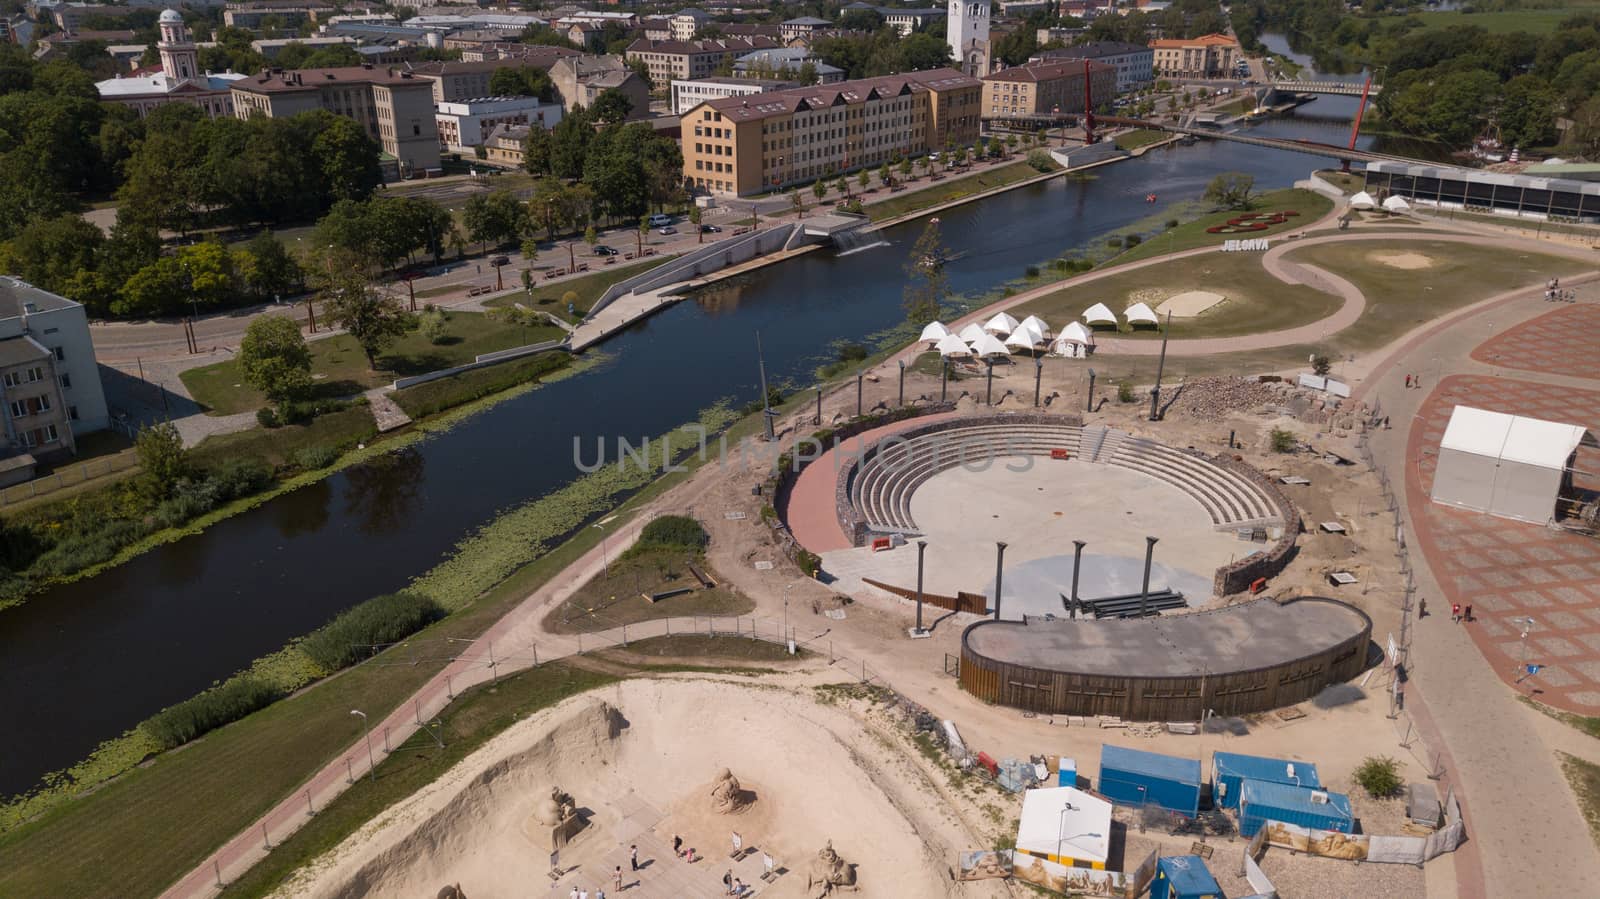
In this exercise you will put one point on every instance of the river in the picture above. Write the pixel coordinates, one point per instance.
(85, 661)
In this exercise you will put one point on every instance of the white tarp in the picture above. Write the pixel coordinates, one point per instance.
(989, 345)
(1063, 825)
(1505, 465)
(1363, 200)
(1397, 204)
(1099, 314)
(971, 333)
(1037, 324)
(1000, 324)
(951, 345)
(934, 332)
(1141, 314)
(1024, 339)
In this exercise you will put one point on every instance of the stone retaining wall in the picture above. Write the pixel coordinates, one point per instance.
(1237, 577)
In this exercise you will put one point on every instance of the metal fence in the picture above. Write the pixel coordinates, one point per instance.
(66, 476)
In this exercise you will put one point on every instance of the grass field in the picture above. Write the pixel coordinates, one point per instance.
(1533, 21)
(340, 368)
(1140, 137)
(1310, 204)
(1584, 778)
(1255, 302)
(615, 598)
(925, 194)
(1345, 181)
(342, 430)
(588, 289)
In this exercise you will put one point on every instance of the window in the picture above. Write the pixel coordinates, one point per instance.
(66, 381)
(19, 409)
(72, 412)
(61, 354)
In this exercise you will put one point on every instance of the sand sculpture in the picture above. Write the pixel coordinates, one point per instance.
(557, 815)
(829, 874)
(726, 795)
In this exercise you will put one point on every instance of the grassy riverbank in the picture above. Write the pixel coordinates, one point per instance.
(956, 189)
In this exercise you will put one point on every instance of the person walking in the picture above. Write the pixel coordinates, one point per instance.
(618, 875)
(677, 845)
(1422, 609)
(1408, 382)
(1467, 613)
(573, 894)
(633, 856)
(1455, 612)
(727, 881)
(583, 894)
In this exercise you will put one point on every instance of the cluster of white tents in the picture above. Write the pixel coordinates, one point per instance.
(1366, 201)
(1002, 335)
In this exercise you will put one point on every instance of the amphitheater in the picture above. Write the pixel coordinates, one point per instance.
(1038, 482)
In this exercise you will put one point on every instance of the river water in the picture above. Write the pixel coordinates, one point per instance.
(84, 662)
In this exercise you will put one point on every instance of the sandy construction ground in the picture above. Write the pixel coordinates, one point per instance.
(639, 758)
(1189, 303)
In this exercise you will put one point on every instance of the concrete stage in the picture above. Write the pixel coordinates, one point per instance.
(1038, 512)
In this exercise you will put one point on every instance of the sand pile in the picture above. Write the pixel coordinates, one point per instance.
(808, 774)
(1407, 261)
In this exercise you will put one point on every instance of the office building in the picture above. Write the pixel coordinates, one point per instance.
(1208, 56)
(465, 124)
(49, 381)
(686, 60)
(393, 105)
(1045, 88)
(580, 80)
(1135, 64)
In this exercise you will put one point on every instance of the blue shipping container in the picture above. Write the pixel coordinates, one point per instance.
(1260, 802)
(1184, 877)
(1135, 777)
(1230, 769)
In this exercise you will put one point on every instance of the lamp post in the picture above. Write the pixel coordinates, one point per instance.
(999, 561)
(1061, 830)
(605, 560)
(1144, 591)
(901, 401)
(1077, 563)
(1038, 376)
(922, 547)
(366, 727)
(1526, 624)
(1090, 406)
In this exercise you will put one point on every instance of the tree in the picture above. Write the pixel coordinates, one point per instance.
(522, 81)
(644, 229)
(493, 218)
(842, 186)
(819, 187)
(612, 107)
(905, 167)
(268, 268)
(864, 179)
(162, 459)
(1321, 365)
(1231, 190)
(274, 360)
(591, 236)
(374, 318)
(797, 202)
(926, 281)
(695, 217)
(570, 144)
(537, 150)
(885, 178)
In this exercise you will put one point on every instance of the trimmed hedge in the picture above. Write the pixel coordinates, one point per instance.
(230, 701)
(431, 397)
(672, 532)
(348, 638)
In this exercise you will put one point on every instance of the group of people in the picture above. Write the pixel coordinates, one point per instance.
(599, 892)
(1414, 381)
(1553, 291)
(733, 886)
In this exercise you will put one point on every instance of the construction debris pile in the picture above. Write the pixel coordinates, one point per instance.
(1209, 398)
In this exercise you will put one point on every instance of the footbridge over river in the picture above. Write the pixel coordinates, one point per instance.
(1341, 88)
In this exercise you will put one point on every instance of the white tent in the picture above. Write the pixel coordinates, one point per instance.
(989, 345)
(1397, 204)
(1075, 341)
(971, 333)
(1037, 323)
(1065, 825)
(1100, 314)
(1024, 339)
(1141, 314)
(1363, 200)
(934, 332)
(1001, 324)
(951, 345)
(1505, 465)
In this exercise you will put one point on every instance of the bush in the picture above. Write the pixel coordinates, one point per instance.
(349, 638)
(1133, 240)
(1040, 161)
(232, 700)
(432, 326)
(1114, 243)
(314, 457)
(267, 418)
(672, 532)
(1172, 223)
(1380, 776)
(1284, 441)
(852, 352)
(809, 562)
(1321, 365)
(1031, 272)
(240, 477)
(1125, 392)
(435, 396)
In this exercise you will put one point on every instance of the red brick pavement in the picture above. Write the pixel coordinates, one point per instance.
(1508, 569)
(1560, 342)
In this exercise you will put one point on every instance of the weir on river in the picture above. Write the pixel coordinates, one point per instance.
(85, 661)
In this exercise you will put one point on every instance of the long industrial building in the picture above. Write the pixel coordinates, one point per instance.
(1522, 196)
(740, 146)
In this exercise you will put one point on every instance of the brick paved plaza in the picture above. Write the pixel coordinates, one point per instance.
(1506, 569)
(1561, 342)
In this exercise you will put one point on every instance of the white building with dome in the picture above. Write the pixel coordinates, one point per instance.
(179, 81)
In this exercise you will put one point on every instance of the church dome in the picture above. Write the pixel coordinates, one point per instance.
(170, 17)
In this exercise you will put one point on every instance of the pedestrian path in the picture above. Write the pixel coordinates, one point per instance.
(386, 413)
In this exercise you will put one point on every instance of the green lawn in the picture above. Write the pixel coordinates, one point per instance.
(616, 598)
(1140, 137)
(1310, 204)
(924, 194)
(1345, 181)
(340, 430)
(697, 652)
(547, 297)
(1399, 299)
(340, 368)
(1533, 21)
(1255, 302)
(1584, 778)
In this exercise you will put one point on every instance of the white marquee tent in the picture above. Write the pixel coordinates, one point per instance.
(934, 332)
(1001, 324)
(1505, 465)
(1037, 323)
(951, 345)
(1075, 341)
(1363, 200)
(1024, 339)
(1100, 314)
(1397, 203)
(972, 333)
(1065, 825)
(989, 345)
(1141, 314)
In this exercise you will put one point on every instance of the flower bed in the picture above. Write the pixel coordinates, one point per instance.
(1253, 221)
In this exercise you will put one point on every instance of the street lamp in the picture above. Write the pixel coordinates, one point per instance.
(604, 559)
(1061, 831)
(1526, 624)
(366, 727)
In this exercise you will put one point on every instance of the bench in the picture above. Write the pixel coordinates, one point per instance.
(548, 276)
(649, 251)
(611, 260)
(627, 255)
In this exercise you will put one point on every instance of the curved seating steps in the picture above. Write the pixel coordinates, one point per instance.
(881, 493)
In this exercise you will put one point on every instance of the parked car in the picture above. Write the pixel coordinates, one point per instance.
(601, 249)
(710, 229)
(500, 260)
(660, 221)
(667, 230)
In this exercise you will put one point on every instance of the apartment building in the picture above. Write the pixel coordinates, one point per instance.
(466, 124)
(1208, 56)
(803, 28)
(785, 62)
(738, 146)
(254, 15)
(687, 60)
(49, 381)
(393, 105)
(580, 80)
(1045, 88)
(454, 81)
(684, 24)
(1135, 64)
(686, 95)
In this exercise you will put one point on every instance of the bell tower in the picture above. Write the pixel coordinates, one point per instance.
(967, 32)
(179, 58)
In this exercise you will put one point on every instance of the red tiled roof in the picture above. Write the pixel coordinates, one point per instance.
(1208, 40)
(1047, 71)
(774, 103)
(721, 45)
